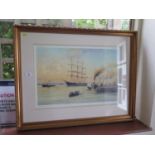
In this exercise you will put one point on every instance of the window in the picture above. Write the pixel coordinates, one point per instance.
(6, 35)
(6, 50)
(116, 24)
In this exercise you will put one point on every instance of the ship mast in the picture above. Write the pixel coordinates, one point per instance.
(77, 71)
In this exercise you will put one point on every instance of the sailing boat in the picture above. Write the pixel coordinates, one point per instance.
(77, 73)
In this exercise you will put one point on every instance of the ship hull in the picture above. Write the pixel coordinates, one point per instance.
(75, 84)
(112, 89)
(48, 85)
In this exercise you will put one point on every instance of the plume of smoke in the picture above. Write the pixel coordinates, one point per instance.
(98, 72)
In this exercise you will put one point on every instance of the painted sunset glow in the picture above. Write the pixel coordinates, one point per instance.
(76, 74)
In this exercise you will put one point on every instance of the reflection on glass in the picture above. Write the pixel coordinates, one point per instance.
(122, 98)
(122, 76)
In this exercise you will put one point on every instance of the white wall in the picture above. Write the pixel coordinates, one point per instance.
(145, 105)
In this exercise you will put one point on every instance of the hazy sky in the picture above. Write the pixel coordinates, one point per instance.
(53, 63)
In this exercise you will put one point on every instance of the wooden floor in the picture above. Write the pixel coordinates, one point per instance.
(102, 129)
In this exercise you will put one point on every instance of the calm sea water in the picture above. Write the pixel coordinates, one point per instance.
(60, 94)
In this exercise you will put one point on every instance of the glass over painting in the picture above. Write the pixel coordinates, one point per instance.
(81, 76)
(70, 77)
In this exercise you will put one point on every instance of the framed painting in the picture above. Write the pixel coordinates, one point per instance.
(70, 77)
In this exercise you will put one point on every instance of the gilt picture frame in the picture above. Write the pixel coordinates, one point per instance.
(69, 77)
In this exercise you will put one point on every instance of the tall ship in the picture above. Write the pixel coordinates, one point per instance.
(77, 73)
